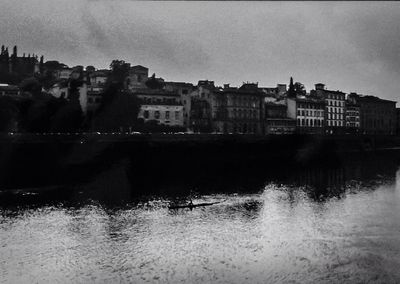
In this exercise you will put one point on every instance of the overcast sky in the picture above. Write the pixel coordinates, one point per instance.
(349, 46)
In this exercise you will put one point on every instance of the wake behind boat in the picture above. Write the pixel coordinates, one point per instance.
(191, 205)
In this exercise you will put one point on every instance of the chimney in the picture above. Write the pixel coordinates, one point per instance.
(226, 86)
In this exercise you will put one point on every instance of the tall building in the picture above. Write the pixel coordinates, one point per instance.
(352, 117)
(335, 106)
(184, 90)
(202, 100)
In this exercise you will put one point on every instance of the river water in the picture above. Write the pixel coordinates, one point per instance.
(336, 225)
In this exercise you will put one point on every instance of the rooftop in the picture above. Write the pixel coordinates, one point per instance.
(155, 92)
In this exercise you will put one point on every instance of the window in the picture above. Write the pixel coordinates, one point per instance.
(157, 114)
(167, 114)
(146, 114)
(184, 91)
(177, 115)
(90, 100)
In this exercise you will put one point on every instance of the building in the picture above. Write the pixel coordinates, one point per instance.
(377, 116)
(64, 73)
(276, 120)
(24, 66)
(238, 110)
(160, 105)
(352, 117)
(200, 116)
(309, 113)
(9, 90)
(94, 99)
(230, 109)
(184, 90)
(398, 121)
(278, 92)
(98, 78)
(201, 100)
(335, 120)
(137, 77)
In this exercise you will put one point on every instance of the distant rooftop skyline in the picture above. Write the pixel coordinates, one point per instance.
(348, 46)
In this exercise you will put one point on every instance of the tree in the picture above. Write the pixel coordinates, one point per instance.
(8, 114)
(118, 109)
(119, 72)
(291, 91)
(67, 118)
(31, 86)
(299, 89)
(90, 69)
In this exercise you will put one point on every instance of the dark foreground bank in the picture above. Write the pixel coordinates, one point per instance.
(150, 163)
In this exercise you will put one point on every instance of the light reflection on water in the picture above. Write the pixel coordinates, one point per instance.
(283, 233)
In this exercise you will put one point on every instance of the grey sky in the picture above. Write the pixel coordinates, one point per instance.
(350, 46)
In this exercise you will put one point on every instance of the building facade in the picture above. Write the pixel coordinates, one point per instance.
(377, 116)
(352, 117)
(162, 106)
(335, 108)
(24, 66)
(184, 90)
(239, 110)
(137, 77)
(309, 113)
(276, 120)
(9, 90)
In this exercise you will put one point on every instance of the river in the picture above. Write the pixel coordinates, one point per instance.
(338, 224)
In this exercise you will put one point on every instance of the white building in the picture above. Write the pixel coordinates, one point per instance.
(335, 107)
(160, 105)
(308, 112)
(64, 73)
(171, 115)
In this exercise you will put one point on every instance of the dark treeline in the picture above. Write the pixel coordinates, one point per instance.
(38, 111)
